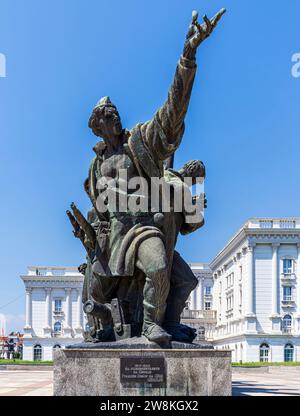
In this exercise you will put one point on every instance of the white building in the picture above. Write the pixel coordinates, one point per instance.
(201, 297)
(256, 291)
(199, 313)
(54, 316)
(247, 299)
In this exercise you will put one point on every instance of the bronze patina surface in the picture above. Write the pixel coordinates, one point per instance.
(135, 282)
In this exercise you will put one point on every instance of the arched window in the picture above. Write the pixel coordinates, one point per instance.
(37, 353)
(57, 327)
(288, 353)
(264, 353)
(287, 324)
(56, 347)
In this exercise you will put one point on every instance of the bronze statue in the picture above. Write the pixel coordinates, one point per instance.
(135, 281)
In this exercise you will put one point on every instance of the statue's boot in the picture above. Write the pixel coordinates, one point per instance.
(172, 324)
(156, 333)
(155, 292)
(178, 334)
(188, 329)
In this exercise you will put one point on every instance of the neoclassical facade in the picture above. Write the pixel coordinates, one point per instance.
(198, 313)
(247, 298)
(256, 291)
(54, 316)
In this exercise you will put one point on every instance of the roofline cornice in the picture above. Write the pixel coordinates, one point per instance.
(235, 241)
(49, 279)
(246, 232)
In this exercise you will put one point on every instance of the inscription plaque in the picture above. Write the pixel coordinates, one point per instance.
(143, 370)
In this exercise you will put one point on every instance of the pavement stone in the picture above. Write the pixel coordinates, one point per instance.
(40, 383)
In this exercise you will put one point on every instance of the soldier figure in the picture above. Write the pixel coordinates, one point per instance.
(126, 248)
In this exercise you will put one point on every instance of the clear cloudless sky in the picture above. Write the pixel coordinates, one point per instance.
(62, 56)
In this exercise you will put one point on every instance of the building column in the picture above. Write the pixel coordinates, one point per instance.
(250, 286)
(235, 287)
(275, 279)
(275, 317)
(194, 297)
(298, 291)
(67, 328)
(28, 313)
(79, 329)
(298, 280)
(28, 323)
(200, 305)
(47, 327)
(250, 318)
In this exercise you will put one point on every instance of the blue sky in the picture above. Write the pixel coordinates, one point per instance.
(243, 120)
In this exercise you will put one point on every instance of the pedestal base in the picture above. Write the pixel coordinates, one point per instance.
(141, 368)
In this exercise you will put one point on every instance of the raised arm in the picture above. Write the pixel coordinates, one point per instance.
(163, 133)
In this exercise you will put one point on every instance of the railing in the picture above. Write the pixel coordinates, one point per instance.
(208, 295)
(287, 224)
(287, 330)
(41, 272)
(58, 312)
(288, 275)
(266, 224)
(49, 271)
(229, 313)
(52, 271)
(198, 314)
(287, 301)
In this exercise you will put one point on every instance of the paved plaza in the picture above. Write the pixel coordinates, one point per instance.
(26, 383)
(276, 383)
(40, 383)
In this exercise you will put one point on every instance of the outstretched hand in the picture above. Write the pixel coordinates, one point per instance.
(198, 33)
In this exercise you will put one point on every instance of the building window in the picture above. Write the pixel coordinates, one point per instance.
(265, 224)
(287, 293)
(287, 324)
(264, 353)
(207, 290)
(287, 266)
(57, 328)
(37, 353)
(207, 306)
(57, 305)
(56, 347)
(241, 273)
(288, 353)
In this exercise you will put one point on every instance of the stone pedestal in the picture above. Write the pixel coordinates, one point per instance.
(141, 368)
